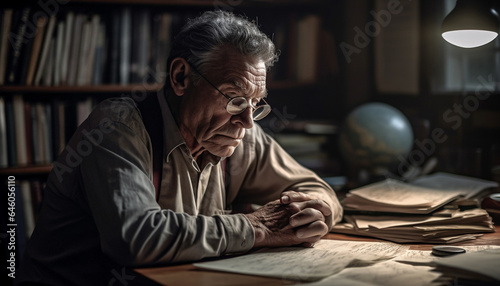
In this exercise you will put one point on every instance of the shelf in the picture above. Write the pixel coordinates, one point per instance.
(26, 170)
(107, 88)
(206, 3)
(131, 88)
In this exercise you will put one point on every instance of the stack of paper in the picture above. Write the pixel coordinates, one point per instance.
(404, 212)
(462, 225)
(422, 196)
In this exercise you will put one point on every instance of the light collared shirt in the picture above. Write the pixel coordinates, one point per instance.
(100, 210)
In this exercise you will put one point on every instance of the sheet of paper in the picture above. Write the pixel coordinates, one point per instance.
(387, 273)
(364, 221)
(394, 192)
(326, 258)
(467, 186)
(485, 262)
(422, 257)
(411, 268)
(396, 236)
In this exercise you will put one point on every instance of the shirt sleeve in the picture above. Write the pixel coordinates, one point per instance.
(261, 170)
(132, 227)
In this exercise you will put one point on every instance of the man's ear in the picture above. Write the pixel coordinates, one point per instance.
(179, 79)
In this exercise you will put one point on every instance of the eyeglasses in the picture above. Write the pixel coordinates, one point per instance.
(237, 105)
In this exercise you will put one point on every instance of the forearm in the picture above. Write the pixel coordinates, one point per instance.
(135, 231)
(168, 237)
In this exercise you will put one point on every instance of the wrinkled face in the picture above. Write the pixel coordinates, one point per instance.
(203, 111)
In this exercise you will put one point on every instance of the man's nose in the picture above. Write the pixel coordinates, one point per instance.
(245, 119)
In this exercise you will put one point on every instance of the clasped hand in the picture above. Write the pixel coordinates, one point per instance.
(294, 219)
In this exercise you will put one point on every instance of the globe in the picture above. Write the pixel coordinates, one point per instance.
(374, 136)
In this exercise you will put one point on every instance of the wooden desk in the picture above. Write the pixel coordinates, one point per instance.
(187, 274)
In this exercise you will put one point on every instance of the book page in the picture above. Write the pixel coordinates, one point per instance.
(307, 264)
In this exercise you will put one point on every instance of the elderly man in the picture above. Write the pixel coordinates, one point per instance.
(148, 181)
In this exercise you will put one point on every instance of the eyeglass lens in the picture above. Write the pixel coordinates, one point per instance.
(238, 104)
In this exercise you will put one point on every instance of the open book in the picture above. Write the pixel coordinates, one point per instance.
(422, 196)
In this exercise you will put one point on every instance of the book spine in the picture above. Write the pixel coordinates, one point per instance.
(100, 56)
(17, 40)
(94, 35)
(35, 139)
(28, 132)
(4, 42)
(58, 53)
(20, 132)
(84, 53)
(26, 52)
(40, 119)
(11, 133)
(48, 74)
(35, 51)
(42, 122)
(143, 49)
(68, 36)
(60, 128)
(75, 49)
(45, 51)
(114, 60)
(29, 217)
(125, 43)
(3, 135)
(48, 133)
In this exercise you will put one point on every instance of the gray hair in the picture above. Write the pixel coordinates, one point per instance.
(200, 40)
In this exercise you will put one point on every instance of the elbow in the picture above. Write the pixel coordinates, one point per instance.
(121, 253)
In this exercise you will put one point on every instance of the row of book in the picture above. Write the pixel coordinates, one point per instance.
(27, 195)
(75, 48)
(131, 45)
(35, 132)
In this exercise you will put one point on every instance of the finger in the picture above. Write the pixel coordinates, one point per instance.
(292, 196)
(319, 205)
(311, 232)
(305, 217)
(307, 244)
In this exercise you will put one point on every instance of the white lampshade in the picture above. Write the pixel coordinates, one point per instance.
(469, 38)
(472, 23)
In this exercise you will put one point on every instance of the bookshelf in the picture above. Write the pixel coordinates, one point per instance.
(36, 64)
